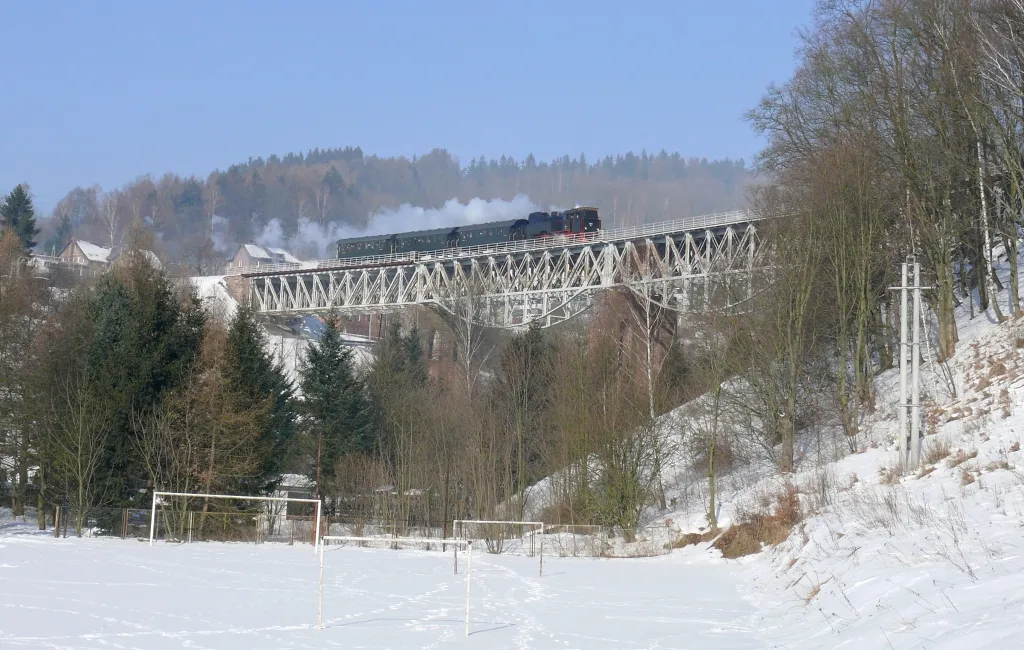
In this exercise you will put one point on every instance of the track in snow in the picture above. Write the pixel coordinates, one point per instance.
(95, 593)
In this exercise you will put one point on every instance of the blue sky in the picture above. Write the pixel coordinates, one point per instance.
(103, 92)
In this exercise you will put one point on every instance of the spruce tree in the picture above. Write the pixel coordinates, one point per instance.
(63, 235)
(414, 361)
(256, 377)
(19, 216)
(143, 339)
(334, 405)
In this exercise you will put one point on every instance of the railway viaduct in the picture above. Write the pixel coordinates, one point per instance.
(691, 263)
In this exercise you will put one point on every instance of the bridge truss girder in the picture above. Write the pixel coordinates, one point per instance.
(513, 290)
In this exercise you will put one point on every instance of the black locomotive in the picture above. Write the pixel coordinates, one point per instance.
(577, 221)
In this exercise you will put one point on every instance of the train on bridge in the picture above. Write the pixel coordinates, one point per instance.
(575, 222)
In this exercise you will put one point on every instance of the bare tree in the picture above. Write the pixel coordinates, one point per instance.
(465, 313)
(212, 199)
(76, 435)
(323, 203)
(111, 216)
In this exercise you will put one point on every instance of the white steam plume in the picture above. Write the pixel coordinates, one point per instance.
(312, 241)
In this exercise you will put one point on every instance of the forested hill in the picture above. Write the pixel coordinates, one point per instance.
(198, 220)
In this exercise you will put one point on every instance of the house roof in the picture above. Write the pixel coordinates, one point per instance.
(148, 254)
(273, 255)
(93, 252)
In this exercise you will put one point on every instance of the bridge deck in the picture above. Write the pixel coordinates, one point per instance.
(615, 235)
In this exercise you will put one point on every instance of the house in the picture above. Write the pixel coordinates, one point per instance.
(121, 256)
(253, 255)
(83, 253)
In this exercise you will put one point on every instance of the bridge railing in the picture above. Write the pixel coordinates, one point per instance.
(521, 245)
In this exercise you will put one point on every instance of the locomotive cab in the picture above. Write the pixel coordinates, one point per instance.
(583, 220)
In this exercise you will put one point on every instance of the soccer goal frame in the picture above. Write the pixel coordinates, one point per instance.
(152, 516)
(538, 532)
(442, 542)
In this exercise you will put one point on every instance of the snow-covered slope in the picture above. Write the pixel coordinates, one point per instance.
(890, 559)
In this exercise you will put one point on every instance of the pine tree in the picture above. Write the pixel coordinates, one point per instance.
(335, 405)
(19, 216)
(255, 376)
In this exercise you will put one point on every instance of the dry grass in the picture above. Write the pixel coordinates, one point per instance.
(768, 527)
(889, 475)
(966, 478)
(937, 450)
(1015, 446)
(693, 538)
(815, 590)
(961, 457)
(1002, 463)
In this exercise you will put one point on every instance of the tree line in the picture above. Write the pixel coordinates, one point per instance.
(127, 383)
(346, 186)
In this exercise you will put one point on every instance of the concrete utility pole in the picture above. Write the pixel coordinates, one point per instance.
(910, 409)
(902, 408)
(915, 396)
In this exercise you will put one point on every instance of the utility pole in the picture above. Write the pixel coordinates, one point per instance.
(915, 364)
(902, 408)
(910, 409)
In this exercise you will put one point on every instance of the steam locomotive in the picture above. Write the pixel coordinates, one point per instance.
(577, 221)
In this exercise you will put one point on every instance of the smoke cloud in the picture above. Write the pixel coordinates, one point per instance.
(312, 241)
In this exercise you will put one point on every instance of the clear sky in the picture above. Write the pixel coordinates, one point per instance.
(101, 92)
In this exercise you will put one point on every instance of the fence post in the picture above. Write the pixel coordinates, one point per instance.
(469, 578)
(152, 520)
(320, 596)
(316, 528)
(542, 549)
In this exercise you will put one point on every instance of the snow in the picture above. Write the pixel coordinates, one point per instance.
(213, 291)
(101, 593)
(273, 255)
(93, 252)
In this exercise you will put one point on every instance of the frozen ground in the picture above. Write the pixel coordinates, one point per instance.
(97, 593)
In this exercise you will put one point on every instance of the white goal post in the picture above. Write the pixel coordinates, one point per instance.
(440, 541)
(192, 495)
(459, 525)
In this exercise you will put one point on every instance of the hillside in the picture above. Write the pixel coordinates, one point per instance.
(876, 558)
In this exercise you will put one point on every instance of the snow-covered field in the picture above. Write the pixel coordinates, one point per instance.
(97, 593)
(925, 560)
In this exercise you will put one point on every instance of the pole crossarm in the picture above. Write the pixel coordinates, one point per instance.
(529, 282)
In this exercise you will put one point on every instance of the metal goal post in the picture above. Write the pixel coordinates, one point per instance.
(243, 497)
(459, 529)
(442, 542)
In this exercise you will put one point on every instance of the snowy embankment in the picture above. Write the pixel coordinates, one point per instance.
(889, 559)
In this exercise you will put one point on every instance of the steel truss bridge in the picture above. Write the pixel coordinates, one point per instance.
(692, 263)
